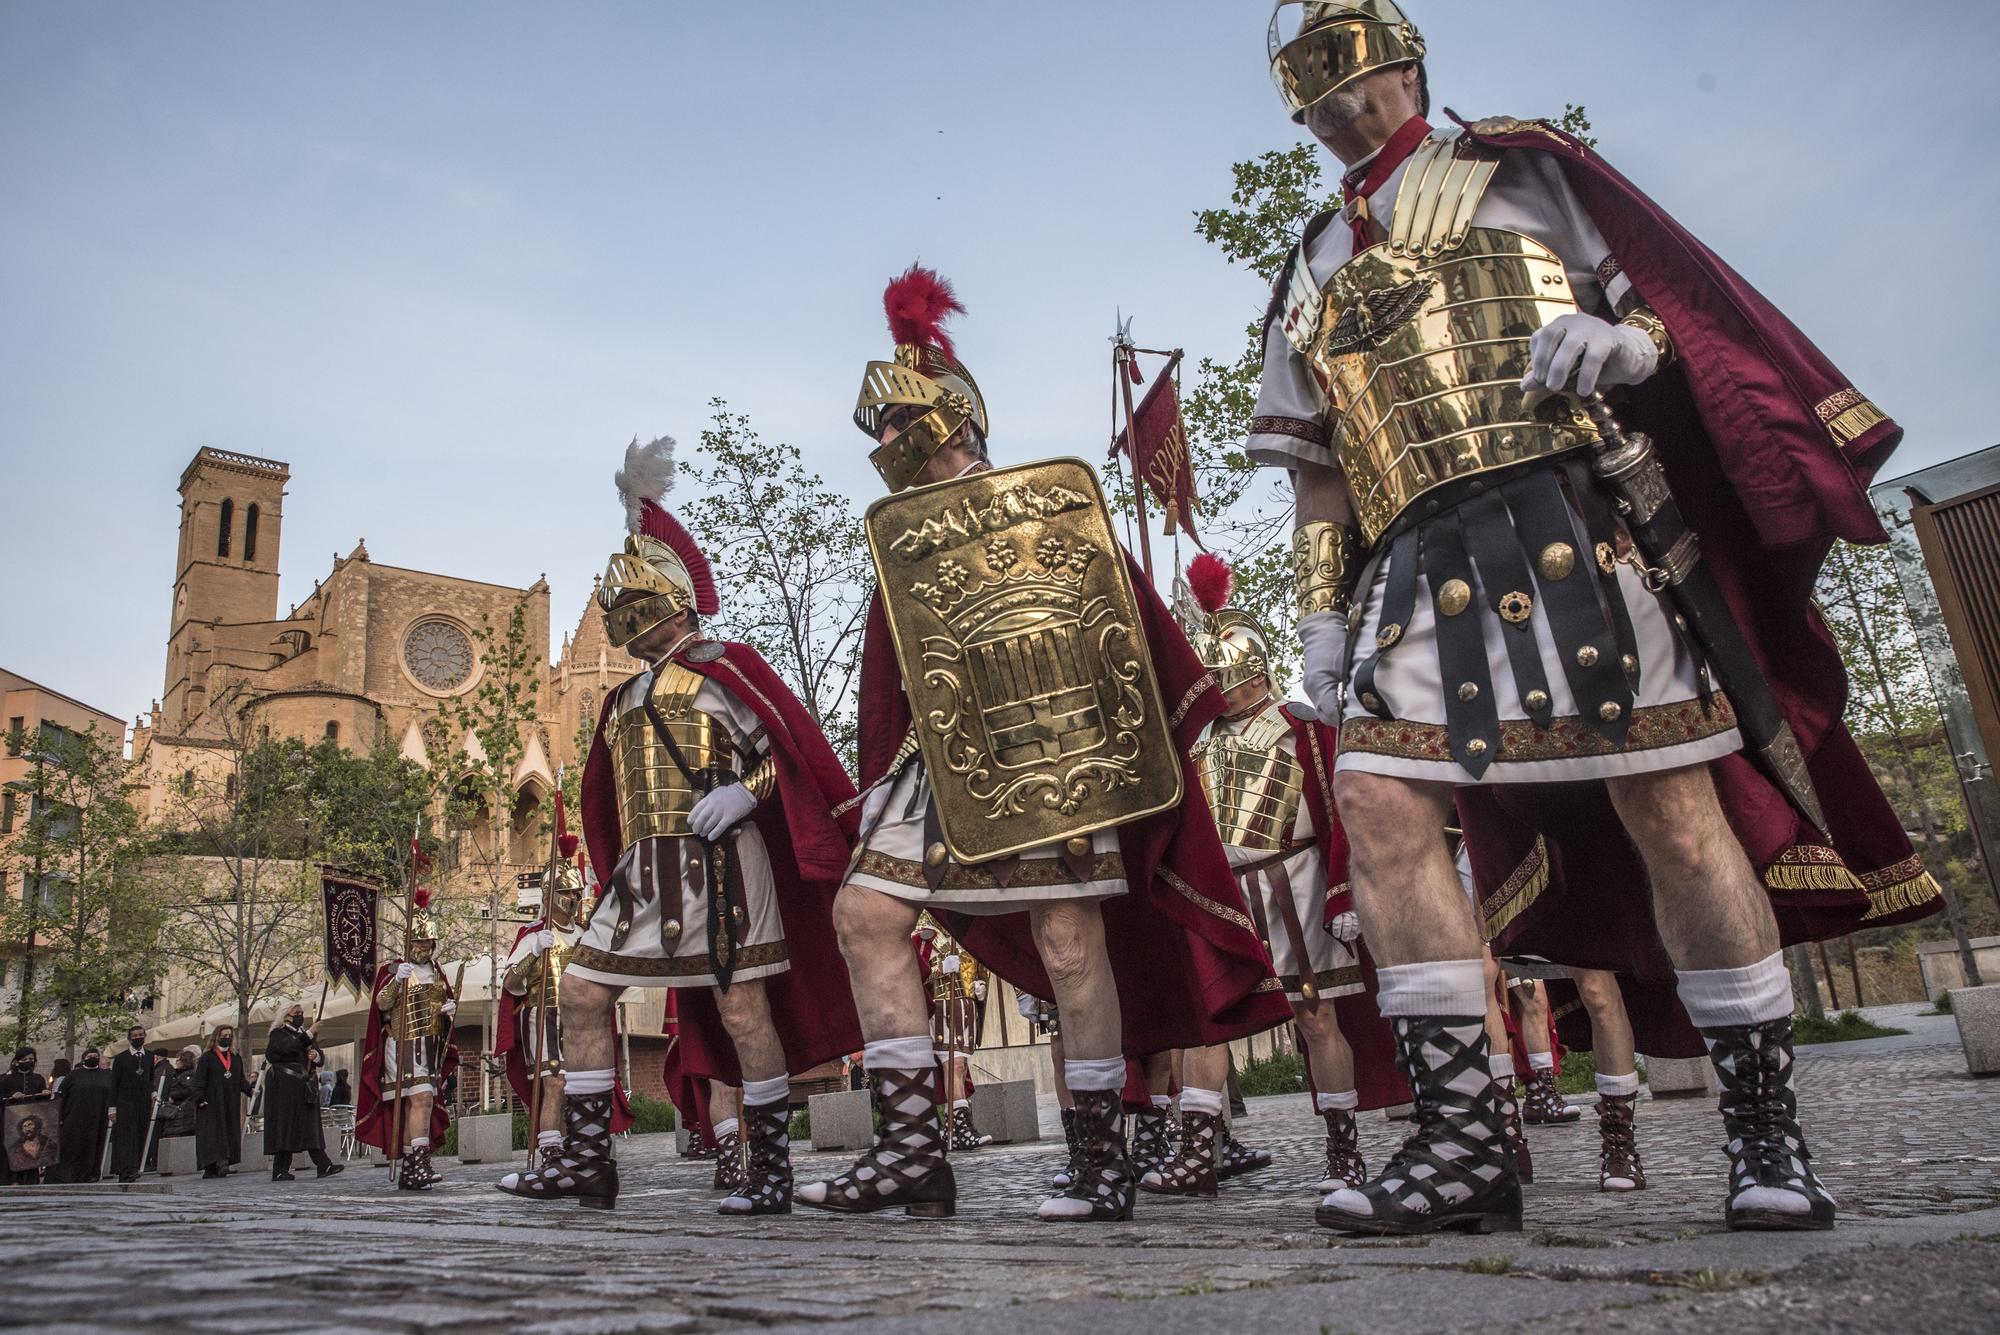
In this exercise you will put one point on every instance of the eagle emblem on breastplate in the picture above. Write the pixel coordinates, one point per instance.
(1374, 319)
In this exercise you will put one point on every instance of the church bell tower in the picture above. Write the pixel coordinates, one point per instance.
(232, 512)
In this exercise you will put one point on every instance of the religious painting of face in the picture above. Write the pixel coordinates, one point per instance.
(30, 1136)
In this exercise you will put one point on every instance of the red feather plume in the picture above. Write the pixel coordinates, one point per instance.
(918, 303)
(421, 897)
(565, 841)
(1210, 580)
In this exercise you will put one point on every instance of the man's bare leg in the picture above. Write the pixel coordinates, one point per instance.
(1617, 1078)
(906, 1165)
(1192, 1169)
(1544, 1103)
(1710, 906)
(1069, 934)
(765, 1183)
(1334, 1095)
(584, 1169)
(1433, 989)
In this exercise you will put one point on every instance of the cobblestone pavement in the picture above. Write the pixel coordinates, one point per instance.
(1909, 1143)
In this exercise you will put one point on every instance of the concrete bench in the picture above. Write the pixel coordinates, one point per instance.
(177, 1157)
(842, 1120)
(1004, 1110)
(1681, 1077)
(486, 1138)
(1977, 1010)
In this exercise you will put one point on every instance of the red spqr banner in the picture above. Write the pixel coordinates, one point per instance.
(1162, 457)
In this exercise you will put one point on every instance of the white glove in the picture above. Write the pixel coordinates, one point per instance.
(449, 1008)
(1345, 926)
(1026, 1004)
(979, 989)
(719, 810)
(1324, 637)
(545, 941)
(1596, 352)
(404, 970)
(951, 964)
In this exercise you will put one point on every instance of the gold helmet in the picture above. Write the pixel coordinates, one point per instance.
(1229, 641)
(926, 394)
(422, 927)
(661, 559)
(562, 883)
(1335, 43)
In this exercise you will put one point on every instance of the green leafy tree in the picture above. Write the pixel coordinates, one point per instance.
(792, 560)
(85, 923)
(496, 714)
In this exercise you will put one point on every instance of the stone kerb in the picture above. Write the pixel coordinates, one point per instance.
(842, 1120)
(1005, 1110)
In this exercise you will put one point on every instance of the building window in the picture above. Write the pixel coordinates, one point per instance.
(332, 731)
(222, 531)
(229, 787)
(187, 783)
(250, 533)
(15, 725)
(6, 813)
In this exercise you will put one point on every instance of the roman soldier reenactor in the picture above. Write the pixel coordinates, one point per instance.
(1266, 766)
(1508, 593)
(530, 1036)
(957, 985)
(712, 795)
(1026, 704)
(409, 1053)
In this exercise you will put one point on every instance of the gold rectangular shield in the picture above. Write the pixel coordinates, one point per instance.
(1030, 681)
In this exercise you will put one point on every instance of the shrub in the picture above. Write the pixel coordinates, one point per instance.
(652, 1115)
(1281, 1073)
(1843, 1028)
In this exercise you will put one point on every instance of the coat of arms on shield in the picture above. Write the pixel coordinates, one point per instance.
(1031, 685)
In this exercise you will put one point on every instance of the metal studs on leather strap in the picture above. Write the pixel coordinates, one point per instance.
(1586, 656)
(1454, 597)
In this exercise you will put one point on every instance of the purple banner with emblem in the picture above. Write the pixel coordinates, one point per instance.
(350, 930)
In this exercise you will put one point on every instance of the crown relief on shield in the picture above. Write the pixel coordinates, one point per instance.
(661, 559)
(926, 378)
(1228, 640)
(1334, 44)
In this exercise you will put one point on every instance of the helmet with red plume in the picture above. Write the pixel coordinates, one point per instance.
(1229, 641)
(925, 396)
(422, 928)
(662, 571)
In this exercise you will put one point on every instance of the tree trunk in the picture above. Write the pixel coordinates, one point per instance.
(1802, 969)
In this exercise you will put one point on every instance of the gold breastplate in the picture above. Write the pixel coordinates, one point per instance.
(654, 796)
(1253, 786)
(1420, 343)
(419, 1009)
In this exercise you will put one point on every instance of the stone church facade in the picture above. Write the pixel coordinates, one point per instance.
(367, 658)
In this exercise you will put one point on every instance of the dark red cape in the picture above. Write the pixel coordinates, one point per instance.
(808, 831)
(1743, 421)
(1189, 966)
(372, 1114)
(1378, 1081)
(688, 1093)
(508, 1047)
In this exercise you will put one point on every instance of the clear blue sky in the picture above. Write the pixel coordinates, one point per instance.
(444, 259)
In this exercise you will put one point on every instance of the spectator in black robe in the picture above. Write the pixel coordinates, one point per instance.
(222, 1079)
(291, 1097)
(180, 1094)
(133, 1074)
(23, 1081)
(343, 1090)
(84, 1112)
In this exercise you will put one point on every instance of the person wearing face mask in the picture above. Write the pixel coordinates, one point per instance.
(222, 1078)
(84, 1120)
(291, 1097)
(1026, 703)
(134, 1072)
(23, 1082)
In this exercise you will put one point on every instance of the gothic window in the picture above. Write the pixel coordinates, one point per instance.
(332, 731)
(229, 787)
(187, 782)
(586, 709)
(438, 655)
(222, 531)
(250, 533)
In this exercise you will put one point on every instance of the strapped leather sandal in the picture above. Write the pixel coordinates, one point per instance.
(1618, 1167)
(416, 1173)
(1102, 1190)
(964, 1135)
(1770, 1169)
(1237, 1158)
(1545, 1105)
(1191, 1172)
(1066, 1174)
(582, 1170)
(1152, 1141)
(767, 1187)
(1517, 1139)
(1423, 1188)
(1344, 1165)
(906, 1166)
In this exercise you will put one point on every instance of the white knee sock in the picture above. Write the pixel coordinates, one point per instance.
(761, 1093)
(1094, 1073)
(1441, 987)
(1201, 1100)
(1162, 1102)
(956, 1104)
(590, 1082)
(1345, 1101)
(420, 1142)
(549, 1140)
(1541, 1061)
(899, 1054)
(1500, 1066)
(1618, 1085)
(1752, 994)
(726, 1127)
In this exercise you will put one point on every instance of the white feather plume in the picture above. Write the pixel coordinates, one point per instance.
(648, 475)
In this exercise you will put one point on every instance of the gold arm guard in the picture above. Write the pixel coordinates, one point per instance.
(763, 780)
(522, 977)
(1653, 327)
(1326, 561)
